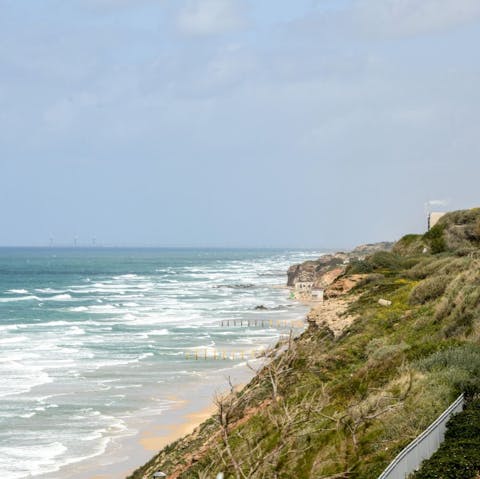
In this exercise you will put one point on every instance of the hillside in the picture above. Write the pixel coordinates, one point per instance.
(341, 402)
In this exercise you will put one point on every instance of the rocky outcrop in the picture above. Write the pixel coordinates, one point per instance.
(326, 269)
(332, 314)
(366, 249)
(326, 279)
(343, 285)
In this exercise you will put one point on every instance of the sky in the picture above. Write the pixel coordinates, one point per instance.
(235, 123)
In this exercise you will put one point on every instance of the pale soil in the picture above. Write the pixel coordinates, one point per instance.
(332, 313)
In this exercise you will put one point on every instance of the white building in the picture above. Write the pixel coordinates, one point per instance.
(317, 294)
(304, 286)
(433, 218)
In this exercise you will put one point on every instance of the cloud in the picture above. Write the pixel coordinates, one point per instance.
(211, 17)
(438, 202)
(411, 17)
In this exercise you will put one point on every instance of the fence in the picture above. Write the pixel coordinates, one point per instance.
(423, 446)
(224, 354)
(262, 323)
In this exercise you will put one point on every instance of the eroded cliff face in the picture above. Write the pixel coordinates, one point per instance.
(328, 268)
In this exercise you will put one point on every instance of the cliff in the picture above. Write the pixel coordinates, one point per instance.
(375, 367)
(328, 268)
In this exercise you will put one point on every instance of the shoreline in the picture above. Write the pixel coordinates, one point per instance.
(126, 454)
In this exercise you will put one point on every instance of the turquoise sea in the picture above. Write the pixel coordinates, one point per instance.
(93, 341)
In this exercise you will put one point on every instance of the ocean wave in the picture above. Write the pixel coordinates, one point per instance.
(17, 291)
(50, 291)
(19, 298)
(19, 378)
(58, 297)
(235, 286)
(14, 339)
(158, 332)
(78, 309)
(76, 331)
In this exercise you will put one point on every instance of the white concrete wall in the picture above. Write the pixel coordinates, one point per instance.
(433, 218)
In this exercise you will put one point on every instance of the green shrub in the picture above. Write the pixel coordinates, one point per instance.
(435, 238)
(460, 307)
(409, 245)
(378, 350)
(380, 261)
(458, 367)
(428, 289)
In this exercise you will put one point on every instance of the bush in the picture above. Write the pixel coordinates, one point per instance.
(409, 245)
(461, 305)
(438, 266)
(378, 350)
(435, 238)
(380, 261)
(428, 289)
(458, 367)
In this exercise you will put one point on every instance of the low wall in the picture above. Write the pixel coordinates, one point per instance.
(423, 447)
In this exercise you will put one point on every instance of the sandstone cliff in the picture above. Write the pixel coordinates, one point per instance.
(326, 269)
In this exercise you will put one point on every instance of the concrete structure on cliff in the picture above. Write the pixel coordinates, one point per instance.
(318, 294)
(433, 218)
(304, 286)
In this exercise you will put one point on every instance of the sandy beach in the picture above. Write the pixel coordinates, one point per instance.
(148, 436)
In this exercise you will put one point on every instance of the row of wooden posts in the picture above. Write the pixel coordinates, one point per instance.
(262, 323)
(214, 354)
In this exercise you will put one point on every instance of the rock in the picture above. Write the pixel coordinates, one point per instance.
(326, 279)
(367, 249)
(326, 269)
(260, 307)
(384, 302)
(343, 285)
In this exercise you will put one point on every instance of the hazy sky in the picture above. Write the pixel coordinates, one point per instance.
(235, 122)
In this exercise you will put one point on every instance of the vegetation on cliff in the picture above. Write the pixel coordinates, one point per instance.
(343, 405)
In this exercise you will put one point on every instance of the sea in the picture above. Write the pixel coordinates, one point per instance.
(98, 343)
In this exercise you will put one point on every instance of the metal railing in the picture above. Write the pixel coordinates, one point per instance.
(423, 447)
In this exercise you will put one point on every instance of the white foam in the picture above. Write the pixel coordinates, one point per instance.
(158, 332)
(30, 460)
(13, 339)
(50, 291)
(75, 330)
(18, 378)
(19, 298)
(58, 297)
(17, 291)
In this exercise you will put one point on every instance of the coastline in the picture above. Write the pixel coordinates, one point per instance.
(191, 407)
